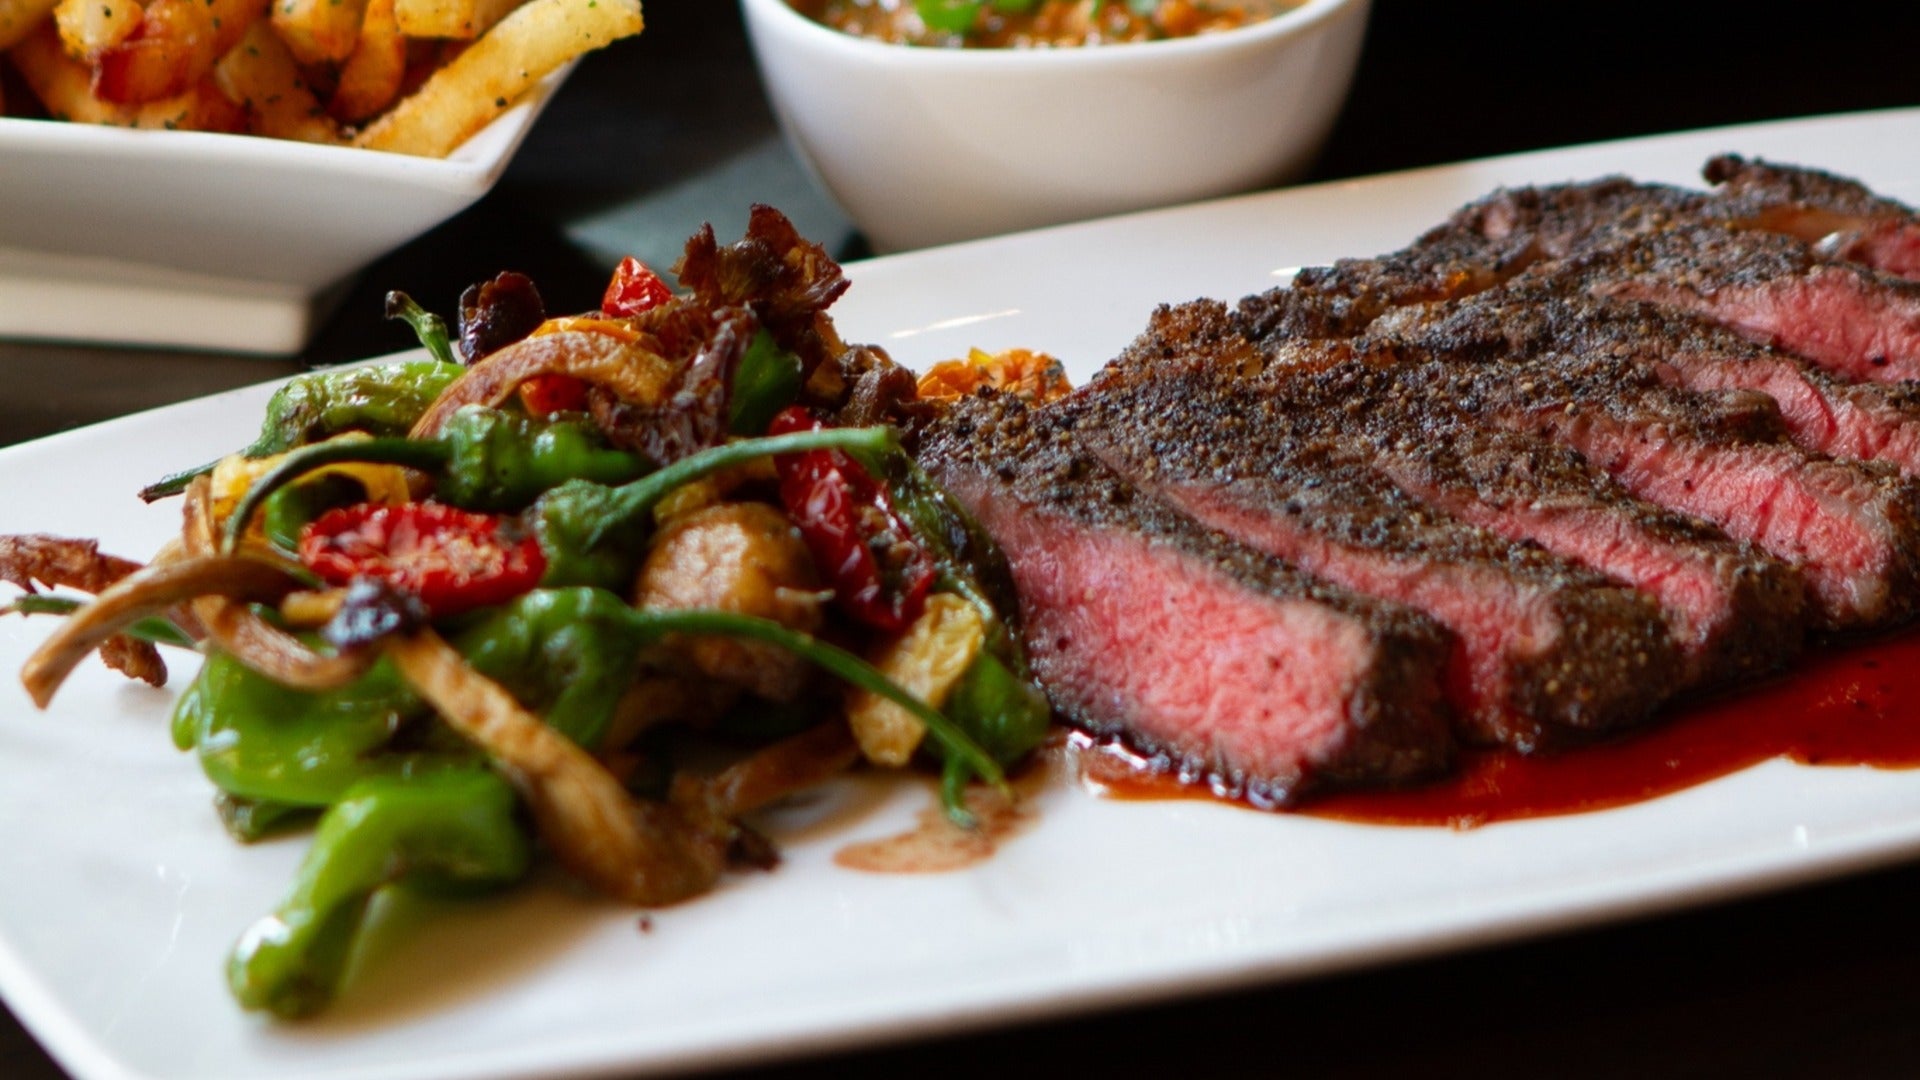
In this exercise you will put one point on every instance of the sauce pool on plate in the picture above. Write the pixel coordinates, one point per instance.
(1854, 705)
(1001, 24)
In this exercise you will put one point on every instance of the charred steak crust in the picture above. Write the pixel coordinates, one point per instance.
(1822, 412)
(1234, 667)
(1548, 650)
(1734, 610)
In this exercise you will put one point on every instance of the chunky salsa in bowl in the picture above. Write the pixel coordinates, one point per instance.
(1036, 23)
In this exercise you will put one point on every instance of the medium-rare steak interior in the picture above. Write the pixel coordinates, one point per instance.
(1235, 668)
(1608, 443)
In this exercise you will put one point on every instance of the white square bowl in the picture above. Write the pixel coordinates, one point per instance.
(188, 239)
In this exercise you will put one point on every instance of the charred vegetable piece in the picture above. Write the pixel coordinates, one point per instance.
(497, 313)
(633, 289)
(880, 573)
(383, 400)
(736, 556)
(453, 560)
(448, 829)
(592, 534)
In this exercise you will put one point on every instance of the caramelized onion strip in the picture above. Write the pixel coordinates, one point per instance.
(242, 633)
(793, 764)
(630, 371)
(642, 853)
(150, 591)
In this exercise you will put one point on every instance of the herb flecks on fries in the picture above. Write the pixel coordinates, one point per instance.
(463, 612)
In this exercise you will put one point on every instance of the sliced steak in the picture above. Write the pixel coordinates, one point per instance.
(1482, 245)
(1830, 221)
(1733, 610)
(1857, 323)
(1547, 649)
(1534, 313)
(1237, 668)
(1851, 528)
(1842, 218)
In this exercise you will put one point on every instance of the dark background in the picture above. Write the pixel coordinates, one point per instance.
(662, 132)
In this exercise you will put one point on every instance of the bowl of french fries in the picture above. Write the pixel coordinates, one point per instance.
(211, 173)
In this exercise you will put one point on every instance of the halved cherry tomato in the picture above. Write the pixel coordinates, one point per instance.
(880, 573)
(454, 560)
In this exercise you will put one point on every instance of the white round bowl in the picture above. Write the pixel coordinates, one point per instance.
(924, 146)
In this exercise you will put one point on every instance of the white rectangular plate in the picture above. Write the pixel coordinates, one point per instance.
(122, 894)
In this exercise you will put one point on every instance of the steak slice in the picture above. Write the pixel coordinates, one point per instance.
(1852, 528)
(1533, 313)
(1492, 240)
(1733, 610)
(1544, 650)
(1842, 218)
(1855, 322)
(1233, 666)
(1483, 244)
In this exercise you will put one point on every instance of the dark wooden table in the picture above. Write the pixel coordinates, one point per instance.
(660, 133)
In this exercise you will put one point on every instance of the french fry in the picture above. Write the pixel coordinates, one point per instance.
(318, 31)
(88, 26)
(63, 86)
(18, 19)
(458, 19)
(371, 77)
(480, 83)
(261, 73)
(175, 46)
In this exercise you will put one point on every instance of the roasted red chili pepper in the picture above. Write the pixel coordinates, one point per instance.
(879, 572)
(452, 559)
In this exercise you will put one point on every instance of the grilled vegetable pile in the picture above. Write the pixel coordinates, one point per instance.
(462, 613)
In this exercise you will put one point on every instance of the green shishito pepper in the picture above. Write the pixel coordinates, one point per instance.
(454, 828)
(588, 529)
(381, 400)
(260, 741)
(996, 701)
(766, 381)
(567, 654)
(498, 460)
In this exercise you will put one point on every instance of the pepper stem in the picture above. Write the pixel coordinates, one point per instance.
(157, 630)
(411, 453)
(964, 755)
(638, 497)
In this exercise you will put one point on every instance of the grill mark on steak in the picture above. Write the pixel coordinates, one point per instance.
(1733, 610)
(1231, 665)
(1840, 217)
(1821, 412)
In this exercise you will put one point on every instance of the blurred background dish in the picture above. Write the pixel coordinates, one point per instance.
(190, 239)
(923, 146)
